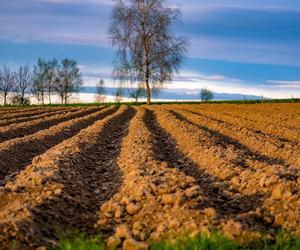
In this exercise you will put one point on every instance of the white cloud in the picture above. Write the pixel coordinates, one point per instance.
(200, 77)
(101, 2)
(283, 84)
(196, 77)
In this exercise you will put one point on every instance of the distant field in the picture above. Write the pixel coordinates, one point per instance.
(137, 173)
(295, 100)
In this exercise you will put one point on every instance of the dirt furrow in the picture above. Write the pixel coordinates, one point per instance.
(270, 149)
(266, 119)
(5, 111)
(275, 188)
(165, 192)
(30, 112)
(47, 113)
(27, 128)
(64, 187)
(32, 145)
(285, 114)
(271, 129)
(229, 204)
(219, 117)
(281, 115)
(202, 141)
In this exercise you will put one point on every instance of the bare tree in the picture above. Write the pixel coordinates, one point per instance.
(119, 93)
(68, 79)
(23, 82)
(7, 82)
(51, 68)
(18, 100)
(37, 89)
(100, 91)
(40, 80)
(206, 95)
(137, 93)
(148, 52)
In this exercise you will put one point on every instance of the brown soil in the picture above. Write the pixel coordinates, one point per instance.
(12, 111)
(136, 174)
(46, 113)
(286, 129)
(282, 151)
(26, 148)
(277, 184)
(29, 112)
(64, 187)
(26, 128)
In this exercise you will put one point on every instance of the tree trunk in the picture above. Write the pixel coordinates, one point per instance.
(62, 98)
(43, 101)
(5, 97)
(66, 99)
(49, 96)
(23, 96)
(147, 76)
(147, 73)
(148, 91)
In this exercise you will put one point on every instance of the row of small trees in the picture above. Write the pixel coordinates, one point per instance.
(139, 92)
(48, 77)
(17, 81)
(134, 93)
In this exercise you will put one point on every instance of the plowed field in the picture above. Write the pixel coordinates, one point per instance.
(138, 173)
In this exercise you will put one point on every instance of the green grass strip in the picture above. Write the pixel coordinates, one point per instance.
(281, 241)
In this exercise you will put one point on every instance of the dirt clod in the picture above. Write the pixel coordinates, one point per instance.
(123, 232)
(131, 244)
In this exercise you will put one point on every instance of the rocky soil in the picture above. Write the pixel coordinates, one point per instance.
(22, 129)
(141, 173)
(34, 116)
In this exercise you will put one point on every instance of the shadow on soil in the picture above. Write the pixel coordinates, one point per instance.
(227, 207)
(230, 124)
(94, 179)
(224, 141)
(12, 165)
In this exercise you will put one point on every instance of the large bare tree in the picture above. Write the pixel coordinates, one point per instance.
(68, 79)
(7, 82)
(147, 50)
(23, 82)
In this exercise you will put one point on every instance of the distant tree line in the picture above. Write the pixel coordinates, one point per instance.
(120, 92)
(48, 77)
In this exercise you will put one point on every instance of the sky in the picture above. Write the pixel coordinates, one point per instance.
(236, 46)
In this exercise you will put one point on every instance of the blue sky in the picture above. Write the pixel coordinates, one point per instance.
(237, 46)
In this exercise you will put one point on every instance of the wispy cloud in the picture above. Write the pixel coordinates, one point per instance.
(196, 77)
(96, 71)
(241, 44)
(283, 84)
(101, 2)
(234, 30)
